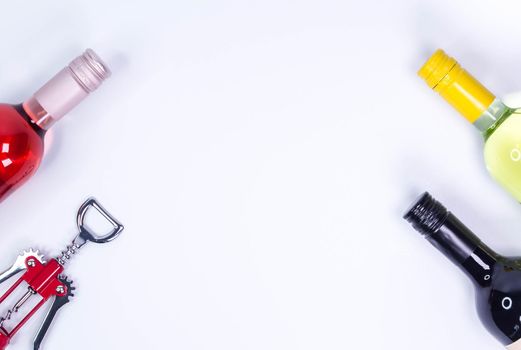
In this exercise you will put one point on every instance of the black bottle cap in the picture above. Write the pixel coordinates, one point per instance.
(426, 215)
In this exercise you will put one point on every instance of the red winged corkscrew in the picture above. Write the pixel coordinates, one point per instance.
(45, 279)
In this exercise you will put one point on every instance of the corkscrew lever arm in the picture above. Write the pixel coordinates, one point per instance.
(58, 303)
(19, 264)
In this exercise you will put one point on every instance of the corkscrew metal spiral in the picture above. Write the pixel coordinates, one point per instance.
(68, 253)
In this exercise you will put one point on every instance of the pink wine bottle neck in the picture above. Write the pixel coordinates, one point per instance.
(66, 89)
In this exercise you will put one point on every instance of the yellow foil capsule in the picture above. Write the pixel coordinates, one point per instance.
(444, 75)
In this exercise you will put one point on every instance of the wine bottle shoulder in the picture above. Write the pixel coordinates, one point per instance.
(23, 114)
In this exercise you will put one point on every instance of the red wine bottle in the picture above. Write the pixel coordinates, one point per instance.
(497, 279)
(23, 126)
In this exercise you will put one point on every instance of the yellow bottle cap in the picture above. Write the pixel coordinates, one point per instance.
(444, 75)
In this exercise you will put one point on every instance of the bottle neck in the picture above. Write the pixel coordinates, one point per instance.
(465, 249)
(450, 236)
(38, 115)
(457, 86)
(491, 117)
(66, 89)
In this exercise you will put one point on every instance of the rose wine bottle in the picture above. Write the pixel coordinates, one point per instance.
(23, 126)
(499, 124)
(497, 279)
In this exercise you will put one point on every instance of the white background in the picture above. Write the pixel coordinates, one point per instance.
(260, 155)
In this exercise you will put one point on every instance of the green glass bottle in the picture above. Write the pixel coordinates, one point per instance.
(499, 124)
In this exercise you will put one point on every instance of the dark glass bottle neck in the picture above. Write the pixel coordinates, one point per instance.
(465, 249)
(453, 239)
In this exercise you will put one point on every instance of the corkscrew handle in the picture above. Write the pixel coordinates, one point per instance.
(86, 234)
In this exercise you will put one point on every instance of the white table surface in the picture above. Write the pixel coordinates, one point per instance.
(260, 155)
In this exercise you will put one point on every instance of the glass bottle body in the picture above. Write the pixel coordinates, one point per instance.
(499, 304)
(21, 148)
(502, 149)
(497, 279)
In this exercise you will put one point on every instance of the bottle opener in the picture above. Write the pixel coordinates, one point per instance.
(45, 278)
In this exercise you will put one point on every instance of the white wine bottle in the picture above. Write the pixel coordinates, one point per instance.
(499, 124)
